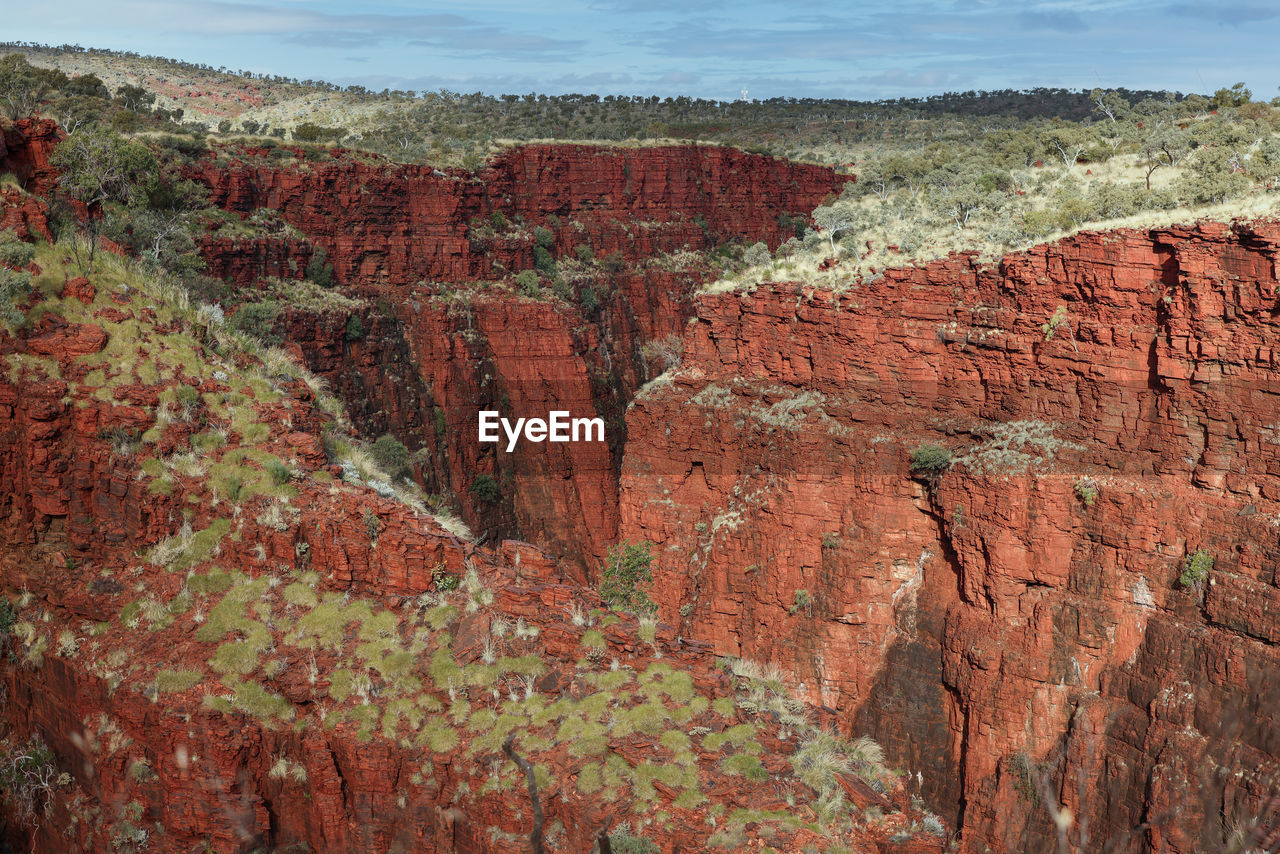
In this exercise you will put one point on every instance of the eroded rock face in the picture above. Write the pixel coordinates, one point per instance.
(431, 356)
(1021, 610)
(86, 510)
(25, 149)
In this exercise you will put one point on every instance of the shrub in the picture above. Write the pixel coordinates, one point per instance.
(588, 300)
(614, 262)
(28, 777)
(258, 319)
(15, 252)
(585, 255)
(1087, 491)
(499, 220)
(622, 841)
(391, 456)
(803, 601)
(1058, 318)
(756, 255)
(628, 566)
(279, 472)
(7, 618)
(543, 260)
(1196, 568)
(318, 270)
(543, 236)
(15, 285)
(354, 330)
(529, 283)
(486, 489)
(930, 460)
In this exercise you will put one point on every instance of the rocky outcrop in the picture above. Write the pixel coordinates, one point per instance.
(25, 148)
(1019, 615)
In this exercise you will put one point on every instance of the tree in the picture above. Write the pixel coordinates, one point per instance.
(1109, 103)
(1067, 141)
(23, 85)
(1237, 96)
(98, 167)
(135, 98)
(833, 219)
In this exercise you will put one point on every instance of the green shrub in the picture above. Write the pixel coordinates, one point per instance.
(318, 270)
(354, 330)
(279, 472)
(588, 300)
(486, 489)
(391, 456)
(930, 460)
(584, 253)
(529, 283)
(543, 260)
(499, 220)
(627, 570)
(1196, 568)
(622, 841)
(8, 616)
(614, 262)
(15, 252)
(1087, 491)
(258, 319)
(543, 236)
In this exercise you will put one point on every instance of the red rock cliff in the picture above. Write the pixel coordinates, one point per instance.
(1021, 612)
(431, 357)
(399, 224)
(228, 647)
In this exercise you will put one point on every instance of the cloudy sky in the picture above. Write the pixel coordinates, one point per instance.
(706, 48)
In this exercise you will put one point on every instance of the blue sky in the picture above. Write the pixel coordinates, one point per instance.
(706, 48)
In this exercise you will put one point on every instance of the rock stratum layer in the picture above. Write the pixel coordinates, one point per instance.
(1108, 403)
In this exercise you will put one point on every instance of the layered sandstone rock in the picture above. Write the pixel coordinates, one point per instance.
(1022, 611)
(431, 356)
(401, 224)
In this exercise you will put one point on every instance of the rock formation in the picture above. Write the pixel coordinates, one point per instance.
(1015, 521)
(1105, 403)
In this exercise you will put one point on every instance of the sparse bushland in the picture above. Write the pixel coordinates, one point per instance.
(1012, 185)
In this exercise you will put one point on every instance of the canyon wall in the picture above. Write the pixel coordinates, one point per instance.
(107, 557)
(433, 354)
(1019, 613)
